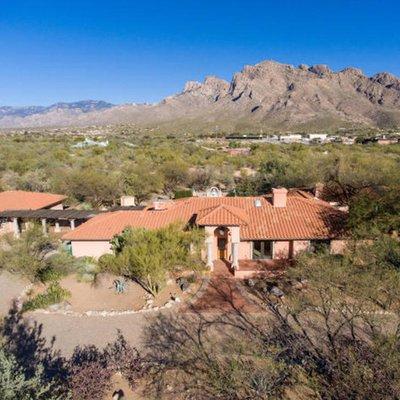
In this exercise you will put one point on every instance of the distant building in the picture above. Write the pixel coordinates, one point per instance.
(90, 143)
(18, 200)
(385, 140)
(291, 138)
(317, 137)
(244, 137)
(348, 140)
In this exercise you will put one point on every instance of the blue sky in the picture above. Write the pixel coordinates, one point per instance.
(138, 51)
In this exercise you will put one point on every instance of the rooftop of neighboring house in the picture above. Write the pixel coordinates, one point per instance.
(22, 200)
(283, 215)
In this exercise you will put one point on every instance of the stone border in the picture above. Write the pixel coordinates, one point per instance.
(113, 313)
(19, 302)
(106, 313)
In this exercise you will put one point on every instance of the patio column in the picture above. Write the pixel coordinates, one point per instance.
(57, 227)
(235, 255)
(44, 226)
(235, 232)
(210, 260)
(72, 224)
(16, 228)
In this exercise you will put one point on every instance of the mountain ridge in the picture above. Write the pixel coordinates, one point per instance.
(261, 97)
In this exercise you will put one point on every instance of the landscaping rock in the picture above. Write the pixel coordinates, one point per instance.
(183, 283)
(276, 291)
(63, 306)
(251, 283)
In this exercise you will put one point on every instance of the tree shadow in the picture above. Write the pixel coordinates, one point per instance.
(25, 341)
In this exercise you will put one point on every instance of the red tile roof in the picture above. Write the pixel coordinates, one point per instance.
(304, 217)
(222, 214)
(21, 200)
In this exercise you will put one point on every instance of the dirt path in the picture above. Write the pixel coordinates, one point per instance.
(220, 294)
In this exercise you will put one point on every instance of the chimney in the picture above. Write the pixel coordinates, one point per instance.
(279, 197)
(128, 201)
(159, 205)
(318, 190)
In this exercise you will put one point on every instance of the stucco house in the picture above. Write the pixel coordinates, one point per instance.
(14, 200)
(238, 229)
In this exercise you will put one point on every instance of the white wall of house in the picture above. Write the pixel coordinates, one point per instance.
(6, 227)
(90, 248)
(338, 246)
(281, 249)
(299, 246)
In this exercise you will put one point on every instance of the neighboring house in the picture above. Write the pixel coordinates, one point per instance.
(317, 136)
(238, 229)
(14, 200)
(291, 138)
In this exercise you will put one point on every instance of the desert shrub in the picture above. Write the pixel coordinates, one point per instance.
(89, 380)
(181, 194)
(58, 265)
(16, 383)
(91, 369)
(35, 256)
(122, 357)
(87, 269)
(50, 275)
(54, 294)
(26, 255)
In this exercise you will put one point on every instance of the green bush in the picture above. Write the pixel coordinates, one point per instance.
(87, 269)
(53, 295)
(50, 275)
(181, 194)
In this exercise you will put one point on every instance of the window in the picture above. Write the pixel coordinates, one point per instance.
(262, 249)
(319, 246)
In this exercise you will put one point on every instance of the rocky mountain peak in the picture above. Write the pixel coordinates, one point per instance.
(352, 71)
(386, 79)
(267, 96)
(320, 69)
(212, 87)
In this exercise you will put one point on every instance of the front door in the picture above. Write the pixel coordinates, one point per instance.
(222, 248)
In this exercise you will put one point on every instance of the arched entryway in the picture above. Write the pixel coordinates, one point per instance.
(222, 235)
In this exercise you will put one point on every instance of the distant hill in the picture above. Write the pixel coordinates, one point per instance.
(263, 97)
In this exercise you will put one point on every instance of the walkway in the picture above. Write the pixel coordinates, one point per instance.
(224, 293)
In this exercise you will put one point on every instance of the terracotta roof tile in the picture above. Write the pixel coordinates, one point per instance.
(303, 217)
(222, 214)
(21, 200)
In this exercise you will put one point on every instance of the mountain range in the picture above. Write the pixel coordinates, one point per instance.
(268, 96)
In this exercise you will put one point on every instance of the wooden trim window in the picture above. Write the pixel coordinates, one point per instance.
(263, 249)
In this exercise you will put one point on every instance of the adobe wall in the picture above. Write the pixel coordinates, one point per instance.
(90, 248)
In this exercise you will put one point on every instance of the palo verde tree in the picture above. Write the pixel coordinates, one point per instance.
(148, 255)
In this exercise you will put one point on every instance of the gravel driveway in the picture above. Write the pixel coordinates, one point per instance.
(69, 331)
(10, 288)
